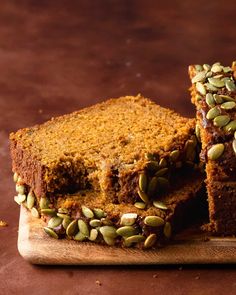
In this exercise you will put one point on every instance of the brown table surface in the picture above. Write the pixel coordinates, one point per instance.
(59, 56)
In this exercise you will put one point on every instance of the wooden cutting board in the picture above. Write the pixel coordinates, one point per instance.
(189, 247)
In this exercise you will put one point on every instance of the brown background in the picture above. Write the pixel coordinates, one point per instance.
(59, 56)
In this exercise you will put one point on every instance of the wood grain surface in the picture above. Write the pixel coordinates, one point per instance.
(190, 247)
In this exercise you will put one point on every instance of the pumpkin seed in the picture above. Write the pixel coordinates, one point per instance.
(83, 227)
(198, 68)
(152, 186)
(209, 74)
(21, 198)
(143, 182)
(143, 196)
(150, 241)
(163, 183)
(216, 82)
(198, 97)
(95, 222)
(228, 105)
(50, 232)
(218, 99)
(210, 87)
(34, 212)
(227, 97)
(167, 230)
(16, 200)
(99, 213)
(93, 234)
(161, 172)
(215, 151)
(221, 121)
(20, 189)
(231, 126)
(152, 166)
(30, 200)
(43, 203)
(154, 221)
(218, 76)
(15, 177)
(106, 221)
(49, 212)
(80, 237)
(216, 68)
(133, 239)
(212, 113)
(160, 205)
(109, 241)
(63, 210)
(54, 222)
(61, 215)
(234, 145)
(108, 231)
(140, 205)
(197, 132)
(66, 222)
(233, 64)
(216, 64)
(200, 88)
(72, 228)
(87, 212)
(150, 157)
(210, 100)
(206, 67)
(227, 69)
(126, 231)
(163, 163)
(128, 218)
(174, 155)
(235, 134)
(230, 85)
(199, 77)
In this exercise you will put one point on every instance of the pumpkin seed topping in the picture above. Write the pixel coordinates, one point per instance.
(30, 200)
(80, 237)
(216, 82)
(143, 182)
(95, 222)
(161, 172)
(206, 67)
(128, 218)
(150, 241)
(174, 155)
(221, 121)
(234, 145)
(83, 227)
(210, 87)
(231, 126)
(143, 196)
(200, 88)
(140, 205)
(154, 221)
(160, 205)
(99, 213)
(198, 68)
(50, 232)
(108, 231)
(72, 228)
(216, 68)
(20, 189)
(218, 99)
(87, 212)
(216, 151)
(228, 105)
(152, 166)
(93, 234)
(126, 231)
(109, 241)
(230, 85)
(54, 222)
(21, 198)
(152, 186)
(212, 113)
(227, 69)
(167, 230)
(210, 100)
(34, 212)
(133, 239)
(43, 203)
(197, 132)
(163, 163)
(199, 77)
(48, 212)
(226, 97)
(66, 222)
(15, 177)
(61, 215)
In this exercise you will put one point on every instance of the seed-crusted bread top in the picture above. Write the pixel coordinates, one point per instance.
(118, 132)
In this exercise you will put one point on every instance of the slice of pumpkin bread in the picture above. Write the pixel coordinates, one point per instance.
(128, 148)
(214, 95)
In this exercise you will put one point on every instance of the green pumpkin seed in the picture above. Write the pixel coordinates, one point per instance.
(133, 240)
(34, 212)
(50, 232)
(161, 172)
(230, 85)
(128, 218)
(228, 105)
(30, 200)
(206, 67)
(48, 212)
(43, 203)
(16, 200)
(167, 230)
(99, 213)
(87, 212)
(198, 68)
(197, 132)
(231, 127)
(234, 145)
(174, 155)
(199, 77)
(143, 196)
(152, 166)
(140, 205)
(216, 82)
(66, 222)
(221, 121)
(109, 241)
(216, 64)
(227, 69)
(198, 97)
(215, 151)
(163, 183)
(219, 76)
(152, 186)
(54, 222)
(106, 221)
(218, 99)
(93, 234)
(227, 97)
(154, 221)
(216, 68)
(150, 157)
(150, 241)
(126, 231)
(61, 215)
(143, 182)
(83, 227)
(160, 205)
(72, 228)
(21, 198)
(15, 177)
(200, 88)
(212, 113)
(95, 222)
(20, 189)
(163, 163)
(108, 231)
(210, 87)
(209, 74)
(210, 100)
(189, 149)
(235, 134)
(80, 237)
(63, 211)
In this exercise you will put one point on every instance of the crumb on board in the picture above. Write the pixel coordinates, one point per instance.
(155, 276)
(98, 282)
(3, 223)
